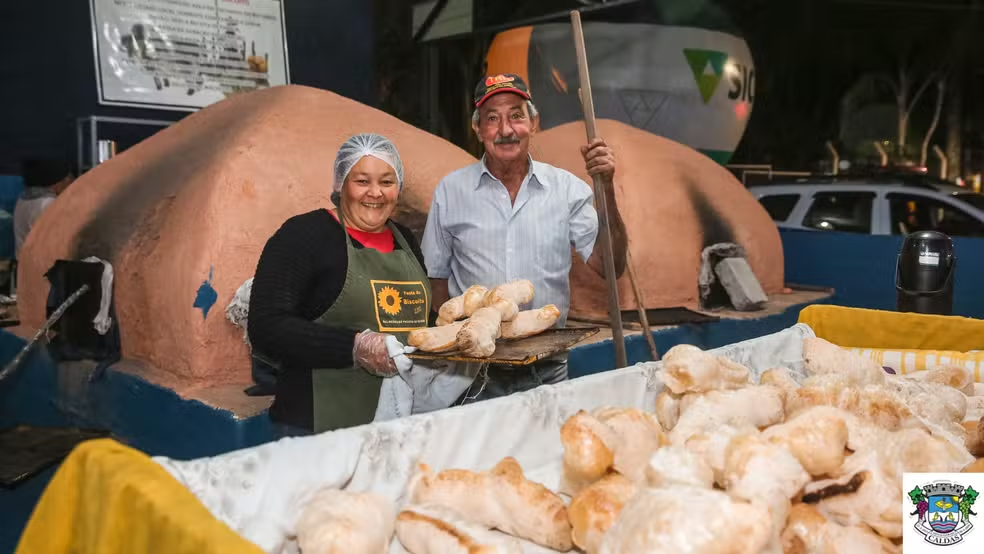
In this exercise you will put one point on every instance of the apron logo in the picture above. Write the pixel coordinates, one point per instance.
(389, 300)
(400, 305)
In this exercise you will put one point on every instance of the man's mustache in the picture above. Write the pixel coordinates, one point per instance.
(511, 139)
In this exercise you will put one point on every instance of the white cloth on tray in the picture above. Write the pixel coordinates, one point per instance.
(424, 388)
(259, 492)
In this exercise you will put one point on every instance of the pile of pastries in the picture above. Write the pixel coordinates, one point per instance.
(722, 466)
(471, 323)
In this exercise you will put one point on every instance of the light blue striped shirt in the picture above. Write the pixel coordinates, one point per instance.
(476, 236)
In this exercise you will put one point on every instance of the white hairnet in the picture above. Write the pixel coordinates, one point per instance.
(359, 146)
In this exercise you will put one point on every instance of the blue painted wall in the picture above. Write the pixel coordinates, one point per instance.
(861, 268)
(145, 416)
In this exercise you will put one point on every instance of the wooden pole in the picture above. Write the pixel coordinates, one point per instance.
(604, 234)
(643, 318)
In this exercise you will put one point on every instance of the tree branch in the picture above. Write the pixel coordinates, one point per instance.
(940, 92)
(932, 78)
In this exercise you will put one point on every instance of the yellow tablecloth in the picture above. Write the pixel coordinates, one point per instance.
(905, 361)
(107, 498)
(860, 328)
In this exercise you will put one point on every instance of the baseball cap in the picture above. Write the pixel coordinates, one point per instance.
(503, 82)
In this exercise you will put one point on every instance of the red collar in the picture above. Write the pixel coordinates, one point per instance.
(382, 241)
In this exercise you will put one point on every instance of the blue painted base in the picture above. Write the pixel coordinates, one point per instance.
(145, 416)
(600, 356)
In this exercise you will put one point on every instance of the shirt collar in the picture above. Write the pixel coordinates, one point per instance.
(534, 176)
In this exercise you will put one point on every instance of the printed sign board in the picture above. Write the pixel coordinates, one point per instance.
(186, 54)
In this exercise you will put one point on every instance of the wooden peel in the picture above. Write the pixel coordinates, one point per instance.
(520, 352)
(643, 318)
(604, 234)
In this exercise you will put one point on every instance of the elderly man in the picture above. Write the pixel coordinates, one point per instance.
(510, 217)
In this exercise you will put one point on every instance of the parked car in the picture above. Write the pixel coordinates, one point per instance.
(873, 206)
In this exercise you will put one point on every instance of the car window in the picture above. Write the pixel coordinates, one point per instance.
(849, 212)
(972, 198)
(779, 206)
(911, 213)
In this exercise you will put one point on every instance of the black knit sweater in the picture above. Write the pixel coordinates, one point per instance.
(299, 275)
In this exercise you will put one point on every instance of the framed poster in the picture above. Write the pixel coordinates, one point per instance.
(186, 54)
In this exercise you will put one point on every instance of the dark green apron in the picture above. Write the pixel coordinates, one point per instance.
(387, 293)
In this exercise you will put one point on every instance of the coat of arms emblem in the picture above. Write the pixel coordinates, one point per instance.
(944, 511)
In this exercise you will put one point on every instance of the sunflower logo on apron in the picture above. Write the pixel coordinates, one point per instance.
(389, 300)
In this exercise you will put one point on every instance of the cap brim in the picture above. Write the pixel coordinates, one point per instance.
(488, 95)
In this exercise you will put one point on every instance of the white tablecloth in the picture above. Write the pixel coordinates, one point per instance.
(260, 491)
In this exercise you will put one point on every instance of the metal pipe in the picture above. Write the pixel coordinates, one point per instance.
(93, 143)
(587, 104)
(93, 121)
(132, 120)
(78, 145)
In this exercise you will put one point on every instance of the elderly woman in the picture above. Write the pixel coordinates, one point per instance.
(335, 294)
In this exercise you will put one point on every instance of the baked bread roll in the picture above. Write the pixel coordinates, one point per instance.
(589, 451)
(638, 434)
(508, 310)
(816, 437)
(451, 311)
(668, 409)
(501, 498)
(461, 306)
(675, 465)
(974, 438)
(808, 531)
(823, 357)
(477, 336)
(782, 379)
(666, 520)
(436, 339)
(687, 368)
(595, 509)
(342, 522)
(440, 530)
(530, 322)
(520, 292)
(473, 299)
(619, 439)
(952, 376)
(974, 467)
